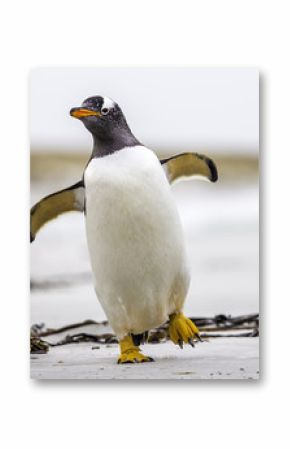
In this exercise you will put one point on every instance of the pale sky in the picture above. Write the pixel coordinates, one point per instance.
(166, 108)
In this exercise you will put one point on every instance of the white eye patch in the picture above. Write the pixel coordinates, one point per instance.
(108, 103)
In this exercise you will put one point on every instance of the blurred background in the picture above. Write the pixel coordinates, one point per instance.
(170, 110)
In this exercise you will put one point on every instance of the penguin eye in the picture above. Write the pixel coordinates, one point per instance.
(105, 111)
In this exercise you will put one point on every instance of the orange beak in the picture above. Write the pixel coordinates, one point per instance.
(83, 112)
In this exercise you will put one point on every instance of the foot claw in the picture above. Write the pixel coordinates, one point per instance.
(190, 341)
(136, 358)
(182, 330)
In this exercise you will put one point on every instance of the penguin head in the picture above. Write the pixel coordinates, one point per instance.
(101, 116)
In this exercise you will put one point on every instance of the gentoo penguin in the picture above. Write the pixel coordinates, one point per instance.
(134, 233)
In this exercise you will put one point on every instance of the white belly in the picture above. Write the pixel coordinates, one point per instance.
(135, 240)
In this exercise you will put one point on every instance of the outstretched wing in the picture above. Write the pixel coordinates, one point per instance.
(186, 165)
(70, 199)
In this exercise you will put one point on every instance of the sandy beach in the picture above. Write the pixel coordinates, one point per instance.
(223, 358)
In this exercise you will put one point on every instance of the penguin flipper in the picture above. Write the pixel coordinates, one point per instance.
(186, 165)
(70, 199)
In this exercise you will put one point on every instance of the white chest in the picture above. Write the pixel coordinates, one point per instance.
(127, 188)
(134, 236)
